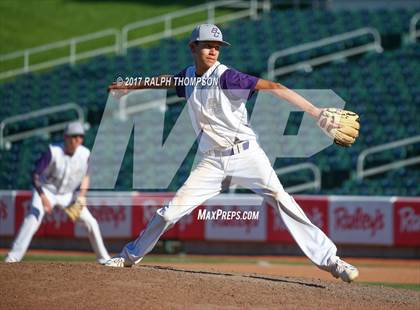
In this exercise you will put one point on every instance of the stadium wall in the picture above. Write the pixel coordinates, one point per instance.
(369, 224)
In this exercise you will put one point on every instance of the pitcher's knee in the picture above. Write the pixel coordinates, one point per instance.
(282, 197)
(169, 218)
(37, 213)
(167, 215)
(273, 198)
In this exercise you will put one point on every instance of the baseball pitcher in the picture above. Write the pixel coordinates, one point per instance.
(229, 149)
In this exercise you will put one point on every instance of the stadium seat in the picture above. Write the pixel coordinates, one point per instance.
(382, 88)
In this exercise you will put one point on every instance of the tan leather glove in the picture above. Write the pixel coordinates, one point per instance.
(341, 125)
(73, 211)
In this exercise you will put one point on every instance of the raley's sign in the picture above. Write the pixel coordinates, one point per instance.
(361, 220)
(407, 221)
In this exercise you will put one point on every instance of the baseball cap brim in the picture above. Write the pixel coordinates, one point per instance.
(223, 43)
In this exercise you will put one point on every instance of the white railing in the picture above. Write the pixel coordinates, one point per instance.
(125, 109)
(248, 9)
(6, 141)
(72, 57)
(315, 184)
(362, 172)
(414, 33)
(272, 71)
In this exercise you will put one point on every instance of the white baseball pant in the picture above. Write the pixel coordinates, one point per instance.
(250, 169)
(34, 218)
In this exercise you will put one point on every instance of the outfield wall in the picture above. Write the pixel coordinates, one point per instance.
(348, 220)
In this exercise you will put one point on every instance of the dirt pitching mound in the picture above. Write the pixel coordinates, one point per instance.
(38, 285)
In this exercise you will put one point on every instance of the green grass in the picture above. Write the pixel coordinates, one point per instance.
(415, 287)
(217, 260)
(29, 23)
(55, 258)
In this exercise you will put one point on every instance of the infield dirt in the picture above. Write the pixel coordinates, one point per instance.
(71, 285)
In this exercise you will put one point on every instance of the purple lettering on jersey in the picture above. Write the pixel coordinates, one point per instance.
(215, 32)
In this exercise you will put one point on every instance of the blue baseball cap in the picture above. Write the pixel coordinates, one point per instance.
(207, 32)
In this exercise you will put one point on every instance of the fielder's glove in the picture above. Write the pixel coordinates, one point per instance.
(73, 211)
(341, 125)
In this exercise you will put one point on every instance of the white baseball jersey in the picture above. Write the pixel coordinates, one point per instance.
(64, 173)
(231, 155)
(59, 176)
(222, 120)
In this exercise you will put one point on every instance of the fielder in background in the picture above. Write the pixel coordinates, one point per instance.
(58, 174)
(229, 149)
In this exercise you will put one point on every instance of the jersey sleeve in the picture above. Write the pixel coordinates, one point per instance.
(40, 165)
(43, 162)
(180, 89)
(238, 85)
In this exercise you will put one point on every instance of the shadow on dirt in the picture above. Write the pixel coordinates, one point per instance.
(283, 280)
